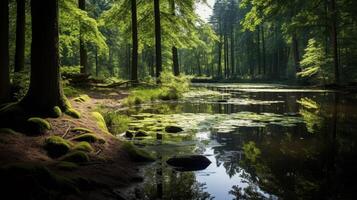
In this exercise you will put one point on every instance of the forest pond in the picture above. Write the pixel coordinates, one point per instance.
(264, 141)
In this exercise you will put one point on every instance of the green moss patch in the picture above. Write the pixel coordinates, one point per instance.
(82, 98)
(83, 146)
(136, 154)
(76, 157)
(8, 131)
(56, 146)
(88, 137)
(73, 113)
(100, 121)
(39, 124)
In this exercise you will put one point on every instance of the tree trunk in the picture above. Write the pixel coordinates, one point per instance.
(220, 57)
(296, 53)
(232, 51)
(96, 62)
(82, 47)
(4, 52)
(175, 62)
(259, 52)
(157, 39)
(45, 91)
(134, 25)
(334, 40)
(20, 36)
(264, 53)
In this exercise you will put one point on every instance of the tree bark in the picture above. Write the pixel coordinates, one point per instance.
(296, 53)
(20, 36)
(134, 55)
(232, 51)
(45, 91)
(157, 39)
(334, 40)
(175, 62)
(82, 47)
(4, 52)
(264, 53)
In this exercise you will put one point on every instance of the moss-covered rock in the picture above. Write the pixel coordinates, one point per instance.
(83, 146)
(56, 146)
(37, 124)
(8, 131)
(76, 157)
(189, 162)
(100, 121)
(67, 166)
(136, 154)
(57, 112)
(88, 137)
(73, 113)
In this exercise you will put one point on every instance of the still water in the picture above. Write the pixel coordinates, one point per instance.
(264, 142)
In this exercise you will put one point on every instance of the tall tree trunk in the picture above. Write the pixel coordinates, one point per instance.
(4, 52)
(82, 47)
(264, 52)
(334, 40)
(175, 62)
(220, 57)
(20, 36)
(295, 46)
(232, 51)
(134, 25)
(96, 62)
(45, 91)
(157, 39)
(259, 52)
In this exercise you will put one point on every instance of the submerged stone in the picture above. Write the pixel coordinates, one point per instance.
(173, 129)
(189, 162)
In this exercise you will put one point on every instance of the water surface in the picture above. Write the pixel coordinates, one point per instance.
(264, 142)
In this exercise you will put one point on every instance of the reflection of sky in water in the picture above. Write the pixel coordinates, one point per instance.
(218, 183)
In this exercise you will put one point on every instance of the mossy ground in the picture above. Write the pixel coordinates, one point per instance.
(100, 121)
(83, 146)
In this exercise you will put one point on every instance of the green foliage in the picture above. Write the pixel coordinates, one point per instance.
(251, 152)
(136, 154)
(116, 122)
(56, 146)
(76, 157)
(39, 124)
(83, 146)
(88, 137)
(315, 62)
(100, 121)
(20, 83)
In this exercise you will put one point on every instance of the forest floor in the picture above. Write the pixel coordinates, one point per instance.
(109, 168)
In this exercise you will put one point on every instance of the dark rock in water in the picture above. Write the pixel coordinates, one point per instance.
(189, 162)
(141, 134)
(129, 134)
(173, 129)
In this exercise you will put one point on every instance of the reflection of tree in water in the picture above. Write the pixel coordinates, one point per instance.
(176, 185)
(248, 193)
(304, 166)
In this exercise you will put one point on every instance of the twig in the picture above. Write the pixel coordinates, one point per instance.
(64, 135)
